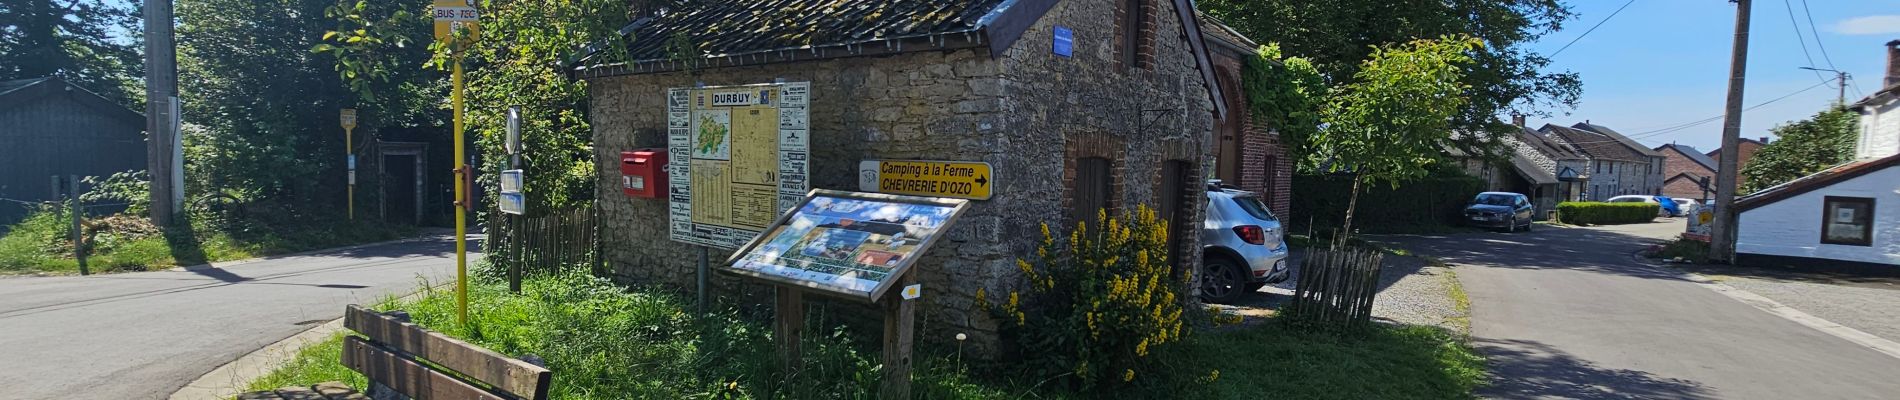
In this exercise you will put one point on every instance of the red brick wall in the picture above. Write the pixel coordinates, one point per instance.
(1674, 162)
(1264, 168)
(1743, 153)
(1682, 188)
(1145, 43)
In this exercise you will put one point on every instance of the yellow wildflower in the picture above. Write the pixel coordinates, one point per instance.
(1128, 375)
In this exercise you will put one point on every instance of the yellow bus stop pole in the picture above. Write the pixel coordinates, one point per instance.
(461, 227)
(350, 151)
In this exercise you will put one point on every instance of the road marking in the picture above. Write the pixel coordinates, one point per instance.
(1882, 345)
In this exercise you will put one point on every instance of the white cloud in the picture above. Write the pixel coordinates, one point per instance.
(1869, 25)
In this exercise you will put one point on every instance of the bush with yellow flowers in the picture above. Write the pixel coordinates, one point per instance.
(1092, 308)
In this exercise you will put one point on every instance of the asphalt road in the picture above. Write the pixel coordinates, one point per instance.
(144, 335)
(1567, 313)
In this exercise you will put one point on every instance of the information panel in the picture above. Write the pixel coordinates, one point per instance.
(852, 244)
(737, 159)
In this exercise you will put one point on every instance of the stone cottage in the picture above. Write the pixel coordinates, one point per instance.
(1079, 105)
(1618, 165)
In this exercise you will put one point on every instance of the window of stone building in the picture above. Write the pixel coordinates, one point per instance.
(1848, 221)
(1134, 25)
(1094, 186)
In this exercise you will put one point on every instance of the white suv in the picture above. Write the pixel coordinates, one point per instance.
(1243, 247)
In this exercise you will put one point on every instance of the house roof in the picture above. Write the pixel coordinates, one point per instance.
(1226, 36)
(1543, 144)
(1744, 141)
(1593, 145)
(1531, 171)
(1690, 153)
(729, 33)
(21, 91)
(1613, 134)
(1815, 181)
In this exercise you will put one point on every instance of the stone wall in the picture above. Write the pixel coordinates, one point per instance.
(1027, 112)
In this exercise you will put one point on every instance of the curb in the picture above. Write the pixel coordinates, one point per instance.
(228, 380)
(1765, 304)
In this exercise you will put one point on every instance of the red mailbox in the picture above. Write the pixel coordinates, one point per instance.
(643, 173)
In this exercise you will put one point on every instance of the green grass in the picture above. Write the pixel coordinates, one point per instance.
(41, 243)
(1274, 360)
(1690, 250)
(605, 342)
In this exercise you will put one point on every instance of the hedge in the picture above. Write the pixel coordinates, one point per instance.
(1599, 213)
(1431, 202)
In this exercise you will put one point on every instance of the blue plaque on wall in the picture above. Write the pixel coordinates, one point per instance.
(1064, 42)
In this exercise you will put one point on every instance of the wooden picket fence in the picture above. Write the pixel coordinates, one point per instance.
(1336, 288)
(545, 243)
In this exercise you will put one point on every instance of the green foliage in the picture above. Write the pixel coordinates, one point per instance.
(1391, 122)
(604, 342)
(1287, 94)
(1806, 147)
(1428, 204)
(1097, 305)
(1688, 250)
(371, 43)
(1599, 213)
(85, 42)
(129, 241)
(34, 241)
(132, 188)
(1505, 77)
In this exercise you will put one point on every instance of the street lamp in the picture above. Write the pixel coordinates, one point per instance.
(1842, 79)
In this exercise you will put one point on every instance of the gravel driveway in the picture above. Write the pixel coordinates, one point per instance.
(1411, 291)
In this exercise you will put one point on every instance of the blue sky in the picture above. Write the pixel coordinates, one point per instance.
(1663, 63)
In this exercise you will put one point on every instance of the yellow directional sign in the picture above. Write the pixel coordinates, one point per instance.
(450, 15)
(348, 118)
(958, 179)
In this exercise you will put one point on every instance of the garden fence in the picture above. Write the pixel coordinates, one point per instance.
(544, 244)
(1336, 288)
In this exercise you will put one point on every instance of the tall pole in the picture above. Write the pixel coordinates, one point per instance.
(461, 192)
(1841, 99)
(161, 109)
(1722, 245)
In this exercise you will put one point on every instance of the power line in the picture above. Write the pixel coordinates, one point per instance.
(1593, 28)
(1691, 124)
(1798, 39)
(1817, 35)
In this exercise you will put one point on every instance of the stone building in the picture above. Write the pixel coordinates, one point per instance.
(1247, 152)
(1617, 165)
(1122, 118)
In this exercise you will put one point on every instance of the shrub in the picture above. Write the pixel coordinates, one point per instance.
(1599, 213)
(1097, 305)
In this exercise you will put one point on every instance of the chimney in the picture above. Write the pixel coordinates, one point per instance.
(1893, 64)
(1517, 119)
(1764, 140)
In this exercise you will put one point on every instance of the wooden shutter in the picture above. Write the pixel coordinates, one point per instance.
(1093, 186)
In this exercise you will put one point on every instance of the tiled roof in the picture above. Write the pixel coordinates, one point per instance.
(1690, 153)
(1543, 144)
(1639, 148)
(1815, 181)
(734, 27)
(1594, 145)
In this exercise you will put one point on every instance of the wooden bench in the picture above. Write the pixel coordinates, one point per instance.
(412, 361)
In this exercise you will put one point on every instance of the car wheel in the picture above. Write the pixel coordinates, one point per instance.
(1511, 226)
(1529, 225)
(1222, 280)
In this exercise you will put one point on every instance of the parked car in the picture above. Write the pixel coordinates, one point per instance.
(1686, 206)
(1500, 210)
(1662, 210)
(1243, 245)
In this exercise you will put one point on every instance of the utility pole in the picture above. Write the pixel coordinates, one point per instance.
(1840, 83)
(1722, 245)
(162, 158)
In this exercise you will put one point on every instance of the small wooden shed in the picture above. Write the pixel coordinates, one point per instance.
(52, 127)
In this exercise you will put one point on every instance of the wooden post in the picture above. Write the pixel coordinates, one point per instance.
(900, 323)
(789, 327)
(79, 213)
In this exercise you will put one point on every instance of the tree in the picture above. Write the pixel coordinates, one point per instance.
(1806, 147)
(1391, 123)
(1286, 93)
(73, 39)
(263, 108)
(1502, 78)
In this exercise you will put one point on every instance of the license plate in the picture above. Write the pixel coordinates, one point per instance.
(1477, 218)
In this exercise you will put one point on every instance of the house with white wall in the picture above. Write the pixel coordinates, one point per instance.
(1844, 218)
